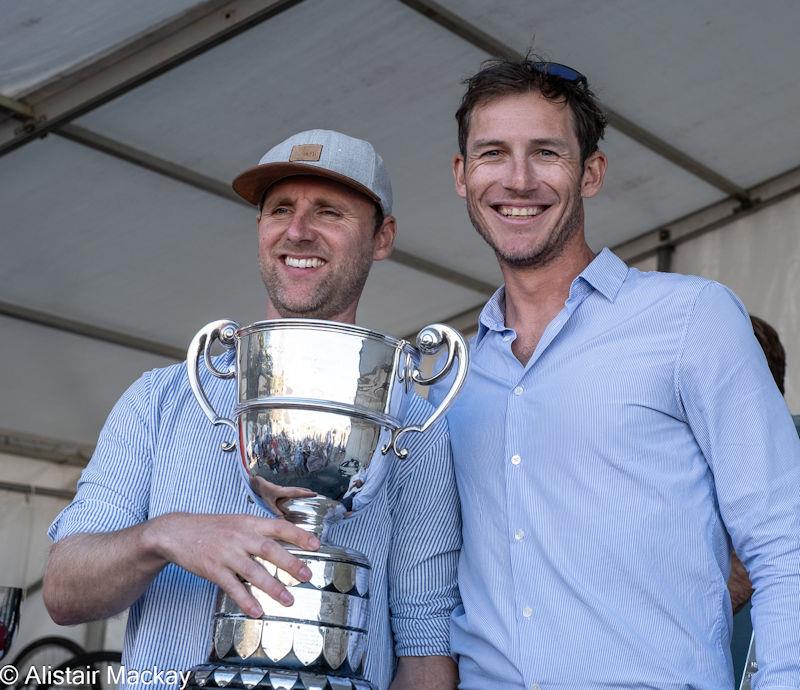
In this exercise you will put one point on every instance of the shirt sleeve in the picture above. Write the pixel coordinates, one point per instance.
(114, 489)
(426, 539)
(747, 436)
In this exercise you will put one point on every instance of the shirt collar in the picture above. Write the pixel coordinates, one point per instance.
(605, 273)
(492, 317)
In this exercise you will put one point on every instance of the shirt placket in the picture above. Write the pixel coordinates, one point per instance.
(524, 556)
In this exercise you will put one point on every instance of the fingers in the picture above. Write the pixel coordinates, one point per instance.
(287, 532)
(220, 548)
(278, 556)
(271, 493)
(269, 537)
(261, 575)
(236, 590)
(256, 574)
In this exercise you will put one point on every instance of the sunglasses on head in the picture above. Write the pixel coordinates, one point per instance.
(556, 69)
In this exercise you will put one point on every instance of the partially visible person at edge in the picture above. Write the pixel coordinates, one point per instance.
(162, 519)
(616, 427)
(739, 584)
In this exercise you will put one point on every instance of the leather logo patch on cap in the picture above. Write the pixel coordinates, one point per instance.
(306, 152)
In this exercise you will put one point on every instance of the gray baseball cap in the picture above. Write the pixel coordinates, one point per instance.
(323, 153)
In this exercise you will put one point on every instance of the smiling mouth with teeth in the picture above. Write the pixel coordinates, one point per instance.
(310, 262)
(517, 211)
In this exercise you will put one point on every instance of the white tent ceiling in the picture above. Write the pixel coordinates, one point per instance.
(704, 98)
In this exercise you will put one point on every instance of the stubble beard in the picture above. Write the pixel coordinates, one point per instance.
(541, 256)
(333, 295)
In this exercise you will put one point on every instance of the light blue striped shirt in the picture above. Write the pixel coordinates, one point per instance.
(599, 484)
(158, 454)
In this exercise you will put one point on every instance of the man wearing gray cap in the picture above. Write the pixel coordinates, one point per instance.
(162, 519)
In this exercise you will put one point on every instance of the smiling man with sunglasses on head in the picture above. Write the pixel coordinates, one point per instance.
(616, 427)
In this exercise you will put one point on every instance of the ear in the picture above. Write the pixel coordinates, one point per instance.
(594, 171)
(458, 175)
(384, 239)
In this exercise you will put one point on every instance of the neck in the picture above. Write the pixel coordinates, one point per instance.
(536, 294)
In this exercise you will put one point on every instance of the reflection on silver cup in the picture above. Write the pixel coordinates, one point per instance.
(318, 404)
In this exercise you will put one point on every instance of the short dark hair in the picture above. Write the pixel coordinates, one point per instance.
(501, 77)
(768, 338)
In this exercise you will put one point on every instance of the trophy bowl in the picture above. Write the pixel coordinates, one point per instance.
(315, 399)
(318, 404)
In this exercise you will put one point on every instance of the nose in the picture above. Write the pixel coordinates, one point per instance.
(521, 175)
(300, 228)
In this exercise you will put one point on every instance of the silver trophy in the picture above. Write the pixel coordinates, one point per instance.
(318, 404)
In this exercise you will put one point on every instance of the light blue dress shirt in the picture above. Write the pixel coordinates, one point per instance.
(158, 454)
(600, 483)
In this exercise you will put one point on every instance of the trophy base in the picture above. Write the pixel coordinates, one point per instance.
(318, 643)
(261, 678)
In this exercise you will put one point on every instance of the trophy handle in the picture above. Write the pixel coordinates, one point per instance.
(429, 341)
(225, 332)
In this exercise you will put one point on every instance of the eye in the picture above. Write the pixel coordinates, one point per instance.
(491, 153)
(279, 211)
(547, 154)
(331, 213)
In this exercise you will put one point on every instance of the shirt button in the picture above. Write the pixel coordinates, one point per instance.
(527, 612)
(536, 686)
(519, 535)
(519, 390)
(507, 337)
(516, 459)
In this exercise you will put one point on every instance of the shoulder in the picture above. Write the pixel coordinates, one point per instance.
(677, 295)
(659, 284)
(165, 385)
(166, 379)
